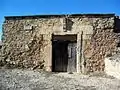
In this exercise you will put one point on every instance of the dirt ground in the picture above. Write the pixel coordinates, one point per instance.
(17, 79)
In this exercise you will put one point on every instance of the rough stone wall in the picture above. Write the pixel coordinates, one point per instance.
(112, 63)
(22, 48)
(28, 48)
(102, 44)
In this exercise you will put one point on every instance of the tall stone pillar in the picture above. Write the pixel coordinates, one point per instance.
(78, 52)
(82, 53)
(48, 53)
(81, 37)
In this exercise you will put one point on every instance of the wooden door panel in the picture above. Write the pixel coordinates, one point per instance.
(60, 56)
(71, 57)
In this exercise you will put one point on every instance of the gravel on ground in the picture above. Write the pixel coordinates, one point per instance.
(18, 79)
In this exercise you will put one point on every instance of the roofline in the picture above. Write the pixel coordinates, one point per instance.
(59, 15)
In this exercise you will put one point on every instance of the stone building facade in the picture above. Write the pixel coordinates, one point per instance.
(28, 41)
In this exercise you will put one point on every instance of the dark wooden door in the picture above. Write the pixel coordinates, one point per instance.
(60, 56)
(71, 57)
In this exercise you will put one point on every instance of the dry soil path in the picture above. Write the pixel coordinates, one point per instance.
(17, 79)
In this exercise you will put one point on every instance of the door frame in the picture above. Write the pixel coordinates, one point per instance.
(75, 38)
(78, 56)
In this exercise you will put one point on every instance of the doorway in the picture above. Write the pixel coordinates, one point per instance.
(64, 53)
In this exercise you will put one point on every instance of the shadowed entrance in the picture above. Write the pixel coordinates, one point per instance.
(64, 53)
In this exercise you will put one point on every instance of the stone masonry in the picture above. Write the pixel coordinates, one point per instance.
(27, 40)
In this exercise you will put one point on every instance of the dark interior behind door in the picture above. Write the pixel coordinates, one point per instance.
(60, 56)
(64, 53)
(64, 56)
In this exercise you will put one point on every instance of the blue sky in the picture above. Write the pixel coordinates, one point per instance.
(32, 7)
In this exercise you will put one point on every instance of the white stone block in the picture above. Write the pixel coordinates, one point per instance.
(112, 67)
